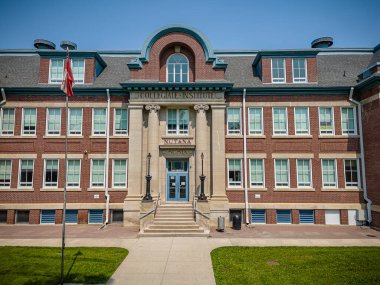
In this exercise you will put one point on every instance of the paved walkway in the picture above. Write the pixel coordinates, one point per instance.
(181, 260)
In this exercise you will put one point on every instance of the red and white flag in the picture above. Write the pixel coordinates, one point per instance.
(68, 79)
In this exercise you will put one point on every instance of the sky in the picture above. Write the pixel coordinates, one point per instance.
(232, 25)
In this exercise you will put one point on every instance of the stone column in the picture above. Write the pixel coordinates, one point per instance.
(201, 142)
(135, 168)
(153, 143)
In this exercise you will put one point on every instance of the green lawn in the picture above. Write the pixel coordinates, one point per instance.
(42, 265)
(296, 265)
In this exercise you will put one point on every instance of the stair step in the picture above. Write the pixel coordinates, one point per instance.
(174, 219)
(173, 215)
(149, 230)
(174, 226)
(204, 234)
(173, 222)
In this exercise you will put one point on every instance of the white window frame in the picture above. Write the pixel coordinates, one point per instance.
(76, 81)
(2, 121)
(275, 174)
(178, 131)
(126, 173)
(44, 184)
(188, 69)
(310, 173)
(80, 174)
(262, 121)
(81, 125)
(240, 123)
(358, 174)
(50, 66)
(10, 179)
(104, 174)
(19, 175)
(114, 122)
(93, 122)
(250, 173)
(228, 172)
(305, 79)
(336, 175)
(79, 81)
(333, 122)
(341, 121)
(286, 121)
(283, 81)
(308, 122)
(47, 122)
(22, 122)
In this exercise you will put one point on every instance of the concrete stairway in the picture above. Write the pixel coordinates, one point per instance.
(174, 219)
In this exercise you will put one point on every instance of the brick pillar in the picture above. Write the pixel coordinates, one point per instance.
(295, 216)
(34, 217)
(82, 216)
(344, 217)
(58, 216)
(271, 216)
(320, 217)
(11, 216)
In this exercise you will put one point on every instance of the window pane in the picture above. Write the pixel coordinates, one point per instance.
(78, 70)
(29, 121)
(299, 70)
(97, 178)
(348, 121)
(5, 173)
(279, 121)
(51, 173)
(302, 120)
(54, 121)
(281, 172)
(233, 120)
(351, 173)
(7, 121)
(99, 124)
(234, 172)
(278, 70)
(303, 172)
(26, 173)
(255, 121)
(119, 174)
(56, 70)
(328, 175)
(75, 122)
(325, 120)
(121, 121)
(73, 173)
(257, 172)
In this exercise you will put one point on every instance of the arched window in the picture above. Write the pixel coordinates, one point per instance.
(177, 68)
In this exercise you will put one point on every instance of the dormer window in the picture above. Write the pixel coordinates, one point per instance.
(177, 68)
(278, 70)
(56, 70)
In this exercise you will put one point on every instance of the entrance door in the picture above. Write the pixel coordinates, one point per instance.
(177, 180)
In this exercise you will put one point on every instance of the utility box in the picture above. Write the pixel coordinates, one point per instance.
(220, 224)
(236, 222)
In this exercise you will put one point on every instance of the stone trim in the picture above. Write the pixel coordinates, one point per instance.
(302, 206)
(58, 206)
(348, 155)
(293, 155)
(293, 104)
(36, 104)
(62, 155)
(18, 155)
(152, 108)
(370, 99)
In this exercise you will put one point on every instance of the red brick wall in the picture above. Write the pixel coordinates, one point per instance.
(11, 214)
(82, 216)
(319, 216)
(271, 216)
(58, 216)
(295, 216)
(376, 219)
(344, 217)
(44, 70)
(34, 216)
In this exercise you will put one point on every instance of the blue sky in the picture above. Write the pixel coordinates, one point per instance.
(124, 25)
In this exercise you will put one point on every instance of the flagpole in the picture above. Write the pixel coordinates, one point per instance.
(64, 190)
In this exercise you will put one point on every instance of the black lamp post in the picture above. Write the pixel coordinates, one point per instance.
(148, 197)
(202, 196)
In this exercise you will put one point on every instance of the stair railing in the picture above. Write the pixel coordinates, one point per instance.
(157, 203)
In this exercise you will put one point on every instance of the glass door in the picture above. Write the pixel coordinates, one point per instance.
(177, 180)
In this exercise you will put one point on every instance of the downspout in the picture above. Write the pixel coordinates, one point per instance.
(107, 156)
(245, 161)
(4, 98)
(369, 202)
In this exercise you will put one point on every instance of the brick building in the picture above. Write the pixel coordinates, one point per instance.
(287, 136)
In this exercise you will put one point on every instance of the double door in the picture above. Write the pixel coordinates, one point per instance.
(177, 180)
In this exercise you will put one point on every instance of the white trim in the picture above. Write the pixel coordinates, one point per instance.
(84, 70)
(355, 123)
(126, 173)
(250, 174)
(357, 171)
(306, 79)
(114, 122)
(332, 121)
(93, 122)
(286, 121)
(188, 69)
(97, 186)
(47, 122)
(2, 118)
(69, 121)
(308, 121)
(249, 121)
(275, 173)
(228, 171)
(67, 173)
(19, 175)
(22, 123)
(240, 124)
(50, 61)
(44, 175)
(310, 173)
(10, 179)
(271, 70)
(336, 175)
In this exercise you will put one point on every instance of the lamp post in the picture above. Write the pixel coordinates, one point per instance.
(202, 196)
(148, 197)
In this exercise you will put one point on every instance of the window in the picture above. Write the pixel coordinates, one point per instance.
(301, 120)
(53, 125)
(278, 70)
(73, 173)
(177, 69)
(29, 121)
(75, 121)
(329, 173)
(280, 121)
(257, 173)
(56, 70)
(71, 216)
(284, 216)
(3, 216)
(255, 121)
(95, 216)
(303, 173)
(351, 173)
(47, 217)
(22, 217)
(26, 173)
(282, 172)
(99, 121)
(117, 216)
(7, 121)
(299, 70)
(5, 173)
(306, 216)
(326, 119)
(258, 216)
(234, 172)
(121, 122)
(178, 122)
(97, 173)
(51, 173)
(233, 121)
(348, 121)
(119, 173)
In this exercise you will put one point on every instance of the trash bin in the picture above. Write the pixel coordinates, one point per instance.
(220, 224)
(236, 222)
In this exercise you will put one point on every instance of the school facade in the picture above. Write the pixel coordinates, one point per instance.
(278, 136)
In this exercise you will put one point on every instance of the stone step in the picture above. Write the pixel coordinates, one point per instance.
(166, 219)
(174, 212)
(173, 222)
(173, 209)
(174, 226)
(178, 205)
(149, 230)
(204, 234)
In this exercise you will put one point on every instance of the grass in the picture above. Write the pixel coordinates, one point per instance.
(296, 265)
(42, 265)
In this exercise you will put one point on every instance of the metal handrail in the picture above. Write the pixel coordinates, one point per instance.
(156, 206)
(200, 213)
(194, 204)
(147, 214)
(153, 210)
